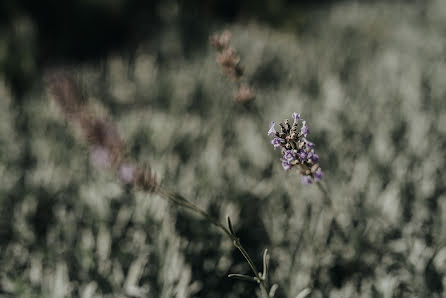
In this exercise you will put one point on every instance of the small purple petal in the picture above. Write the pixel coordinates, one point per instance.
(272, 130)
(303, 155)
(309, 144)
(315, 157)
(306, 180)
(286, 164)
(126, 173)
(296, 117)
(305, 130)
(276, 143)
(289, 155)
(100, 157)
(318, 175)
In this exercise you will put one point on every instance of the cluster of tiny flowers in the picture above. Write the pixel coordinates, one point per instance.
(229, 61)
(227, 56)
(296, 149)
(107, 149)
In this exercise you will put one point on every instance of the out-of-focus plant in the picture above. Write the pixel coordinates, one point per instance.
(297, 151)
(108, 151)
(229, 61)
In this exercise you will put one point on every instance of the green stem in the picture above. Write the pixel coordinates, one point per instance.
(252, 265)
(181, 201)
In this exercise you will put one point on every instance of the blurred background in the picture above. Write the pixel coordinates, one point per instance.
(368, 76)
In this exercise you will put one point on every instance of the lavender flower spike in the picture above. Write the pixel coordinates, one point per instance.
(296, 150)
(272, 130)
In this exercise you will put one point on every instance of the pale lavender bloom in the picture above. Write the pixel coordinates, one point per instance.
(296, 117)
(303, 155)
(272, 130)
(288, 139)
(285, 164)
(100, 157)
(304, 130)
(126, 173)
(306, 180)
(309, 144)
(289, 155)
(276, 143)
(318, 175)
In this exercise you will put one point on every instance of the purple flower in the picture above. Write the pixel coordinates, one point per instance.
(303, 155)
(289, 155)
(285, 164)
(304, 130)
(126, 173)
(308, 144)
(100, 157)
(276, 143)
(306, 180)
(296, 150)
(272, 130)
(296, 117)
(318, 175)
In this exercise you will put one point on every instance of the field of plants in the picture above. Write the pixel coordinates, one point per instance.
(369, 79)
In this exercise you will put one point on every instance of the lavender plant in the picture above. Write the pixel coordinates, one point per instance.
(296, 150)
(107, 151)
(69, 230)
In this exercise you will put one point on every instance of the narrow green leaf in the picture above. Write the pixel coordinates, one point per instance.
(273, 290)
(242, 277)
(265, 264)
(230, 225)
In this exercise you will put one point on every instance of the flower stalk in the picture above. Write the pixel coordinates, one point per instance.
(229, 61)
(107, 151)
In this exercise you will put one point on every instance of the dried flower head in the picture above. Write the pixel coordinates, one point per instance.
(107, 149)
(221, 41)
(64, 91)
(245, 94)
(229, 61)
(296, 149)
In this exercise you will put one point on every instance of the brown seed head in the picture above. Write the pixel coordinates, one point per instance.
(221, 41)
(245, 94)
(146, 180)
(62, 87)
